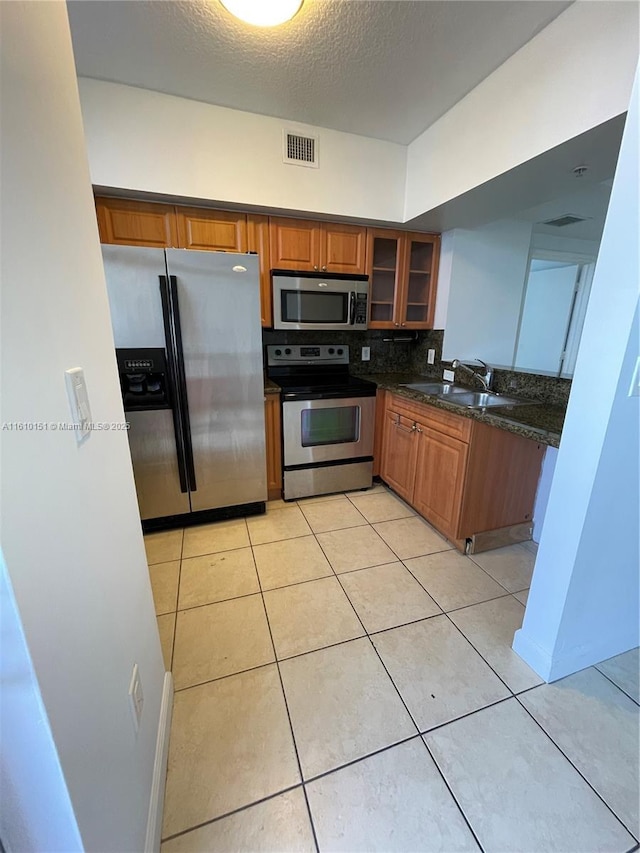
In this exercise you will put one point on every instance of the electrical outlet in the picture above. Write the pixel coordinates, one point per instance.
(366, 353)
(136, 698)
(431, 356)
(448, 376)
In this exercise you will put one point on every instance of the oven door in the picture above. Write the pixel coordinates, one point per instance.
(326, 430)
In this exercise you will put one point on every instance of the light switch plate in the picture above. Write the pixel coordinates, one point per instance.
(431, 356)
(366, 353)
(78, 402)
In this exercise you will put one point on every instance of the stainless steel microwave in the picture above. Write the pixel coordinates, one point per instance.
(317, 301)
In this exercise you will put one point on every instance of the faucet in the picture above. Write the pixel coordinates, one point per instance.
(486, 379)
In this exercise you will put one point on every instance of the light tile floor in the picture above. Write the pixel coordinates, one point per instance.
(345, 682)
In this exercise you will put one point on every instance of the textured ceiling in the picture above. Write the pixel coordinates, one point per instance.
(381, 68)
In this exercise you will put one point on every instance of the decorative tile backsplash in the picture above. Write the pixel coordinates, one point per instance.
(390, 355)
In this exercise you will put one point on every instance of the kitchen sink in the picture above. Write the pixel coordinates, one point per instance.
(485, 399)
(436, 388)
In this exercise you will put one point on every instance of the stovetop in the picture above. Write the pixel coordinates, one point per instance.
(316, 370)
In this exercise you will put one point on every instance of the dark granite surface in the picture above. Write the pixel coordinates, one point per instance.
(541, 422)
(270, 386)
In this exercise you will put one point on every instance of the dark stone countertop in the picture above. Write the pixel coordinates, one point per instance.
(541, 422)
(270, 387)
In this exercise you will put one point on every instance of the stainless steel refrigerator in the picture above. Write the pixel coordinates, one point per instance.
(189, 348)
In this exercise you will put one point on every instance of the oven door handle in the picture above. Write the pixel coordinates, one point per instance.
(352, 307)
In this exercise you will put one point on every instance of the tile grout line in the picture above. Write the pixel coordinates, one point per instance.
(621, 689)
(175, 617)
(578, 771)
(230, 813)
(286, 706)
(382, 663)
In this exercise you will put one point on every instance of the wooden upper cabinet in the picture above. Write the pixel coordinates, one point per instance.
(214, 230)
(295, 244)
(300, 244)
(258, 241)
(403, 270)
(136, 223)
(343, 248)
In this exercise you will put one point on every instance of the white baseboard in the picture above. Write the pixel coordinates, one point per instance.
(156, 802)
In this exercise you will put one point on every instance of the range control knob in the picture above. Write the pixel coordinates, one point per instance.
(278, 352)
(331, 350)
(287, 351)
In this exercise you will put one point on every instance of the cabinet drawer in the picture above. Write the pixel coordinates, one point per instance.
(448, 423)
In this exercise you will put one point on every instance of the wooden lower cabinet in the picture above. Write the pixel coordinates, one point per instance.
(463, 476)
(273, 431)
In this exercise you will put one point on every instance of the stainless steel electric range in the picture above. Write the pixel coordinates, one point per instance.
(327, 420)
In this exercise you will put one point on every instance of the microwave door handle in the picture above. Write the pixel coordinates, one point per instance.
(352, 307)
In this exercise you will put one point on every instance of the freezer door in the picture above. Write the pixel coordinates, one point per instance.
(155, 466)
(134, 296)
(222, 344)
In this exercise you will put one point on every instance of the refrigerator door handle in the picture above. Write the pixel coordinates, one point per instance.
(173, 375)
(182, 382)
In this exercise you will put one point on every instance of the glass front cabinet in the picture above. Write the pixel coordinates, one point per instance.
(403, 270)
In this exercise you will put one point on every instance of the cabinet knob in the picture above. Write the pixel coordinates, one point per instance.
(403, 324)
(396, 324)
(324, 269)
(315, 266)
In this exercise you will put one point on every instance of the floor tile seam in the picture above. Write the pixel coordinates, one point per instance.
(364, 520)
(487, 572)
(318, 776)
(321, 648)
(216, 553)
(283, 539)
(226, 675)
(217, 601)
(478, 652)
(633, 849)
(163, 562)
(453, 796)
(438, 726)
(484, 601)
(175, 617)
(376, 652)
(454, 609)
(290, 721)
(577, 769)
(238, 810)
(615, 684)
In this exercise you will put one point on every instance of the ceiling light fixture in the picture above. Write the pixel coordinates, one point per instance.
(263, 13)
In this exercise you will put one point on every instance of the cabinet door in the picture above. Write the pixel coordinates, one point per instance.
(216, 230)
(136, 223)
(440, 469)
(419, 278)
(295, 244)
(384, 253)
(343, 248)
(273, 428)
(258, 241)
(399, 449)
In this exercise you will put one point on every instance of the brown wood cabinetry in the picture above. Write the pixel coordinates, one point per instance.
(258, 241)
(300, 244)
(136, 223)
(213, 230)
(463, 476)
(273, 429)
(403, 270)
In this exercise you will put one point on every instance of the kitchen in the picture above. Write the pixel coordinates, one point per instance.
(95, 401)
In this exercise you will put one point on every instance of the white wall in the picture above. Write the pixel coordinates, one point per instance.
(545, 318)
(575, 74)
(146, 141)
(69, 526)
(36, 812)
(583, 604)
(488, 269)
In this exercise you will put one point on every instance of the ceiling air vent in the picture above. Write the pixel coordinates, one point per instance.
(567, 219)
(300, 150)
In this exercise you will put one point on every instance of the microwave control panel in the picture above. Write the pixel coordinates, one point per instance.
(361, 308)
